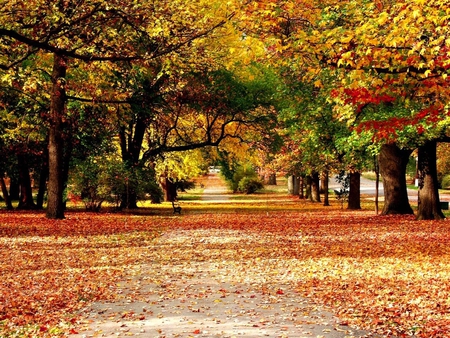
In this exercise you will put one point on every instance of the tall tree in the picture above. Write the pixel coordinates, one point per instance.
(88, 31)
(383, 52)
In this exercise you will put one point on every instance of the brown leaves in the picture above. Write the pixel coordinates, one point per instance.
(388, 274)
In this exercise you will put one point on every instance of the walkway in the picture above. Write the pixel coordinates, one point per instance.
(215, 189)
(188, 298)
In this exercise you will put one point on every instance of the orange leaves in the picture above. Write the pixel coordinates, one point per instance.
(50, 269)
(387, 274)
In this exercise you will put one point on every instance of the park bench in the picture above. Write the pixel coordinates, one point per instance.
(176, 207)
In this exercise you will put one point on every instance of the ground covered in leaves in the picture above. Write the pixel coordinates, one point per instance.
(390, 275)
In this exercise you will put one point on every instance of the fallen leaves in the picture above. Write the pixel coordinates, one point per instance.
(387, 274)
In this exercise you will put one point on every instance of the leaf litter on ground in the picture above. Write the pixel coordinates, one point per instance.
(385, 274)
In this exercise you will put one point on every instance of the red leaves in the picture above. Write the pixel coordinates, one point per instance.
(384, 273)
(362, 96)
(388, 129)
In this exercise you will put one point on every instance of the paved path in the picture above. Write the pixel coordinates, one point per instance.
(368, 188)
(184, 298)
(215, 190)
(214, 298)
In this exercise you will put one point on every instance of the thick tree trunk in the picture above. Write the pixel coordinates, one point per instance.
(428, 200)
(308, 187)
(272, 180)
(5, 194)
(14, 188)
(290, 184)
(315, 187)
(325, 179)
(55, 205)
(392, 161)
(26, 193)
(354, 195)
(131, 147)
(129, 199)
(296, 182)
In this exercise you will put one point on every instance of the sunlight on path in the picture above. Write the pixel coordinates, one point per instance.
(215, 189)
(190, 287)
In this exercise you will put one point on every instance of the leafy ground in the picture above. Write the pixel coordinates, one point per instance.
(390, 275)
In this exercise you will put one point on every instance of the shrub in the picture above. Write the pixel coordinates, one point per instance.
(445, 182)
(183, 185)
(244, 179)
(250, 185)
(99, 180)
(90, 182)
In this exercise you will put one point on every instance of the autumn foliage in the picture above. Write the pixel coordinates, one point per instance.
(387, 274)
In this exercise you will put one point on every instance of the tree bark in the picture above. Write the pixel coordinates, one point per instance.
(170, 190)
(296, 188)
(14, 187)
(5, 194)
(301, 184)
(377, 183)
(55, 205)
(308, 187)
(354, 195)
(290, 184)
(392, 162)
(43, 176)
(315, 187)
(325, 179)
(429, 207)
(26, 192)
(272, 180)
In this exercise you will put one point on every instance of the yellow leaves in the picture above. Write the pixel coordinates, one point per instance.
(318, 84)
(416, 13)
(383, 18)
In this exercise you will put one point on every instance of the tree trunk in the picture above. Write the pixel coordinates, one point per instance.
(272, 180)
(296, 188)
(392, 161)
(290, 184)
(429, 207)
(377, 184)
(129, 198)
(354, 195)
(325, 178)
(5, 194)
(315, 187)
(170, 190)
(42, 183)
(308, 187)
(301, 184)
(26, 193)
(14, 188)
(55, 205)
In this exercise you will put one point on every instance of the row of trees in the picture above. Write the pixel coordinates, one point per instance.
(372, 79)
(80, 79)
(349, 82)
